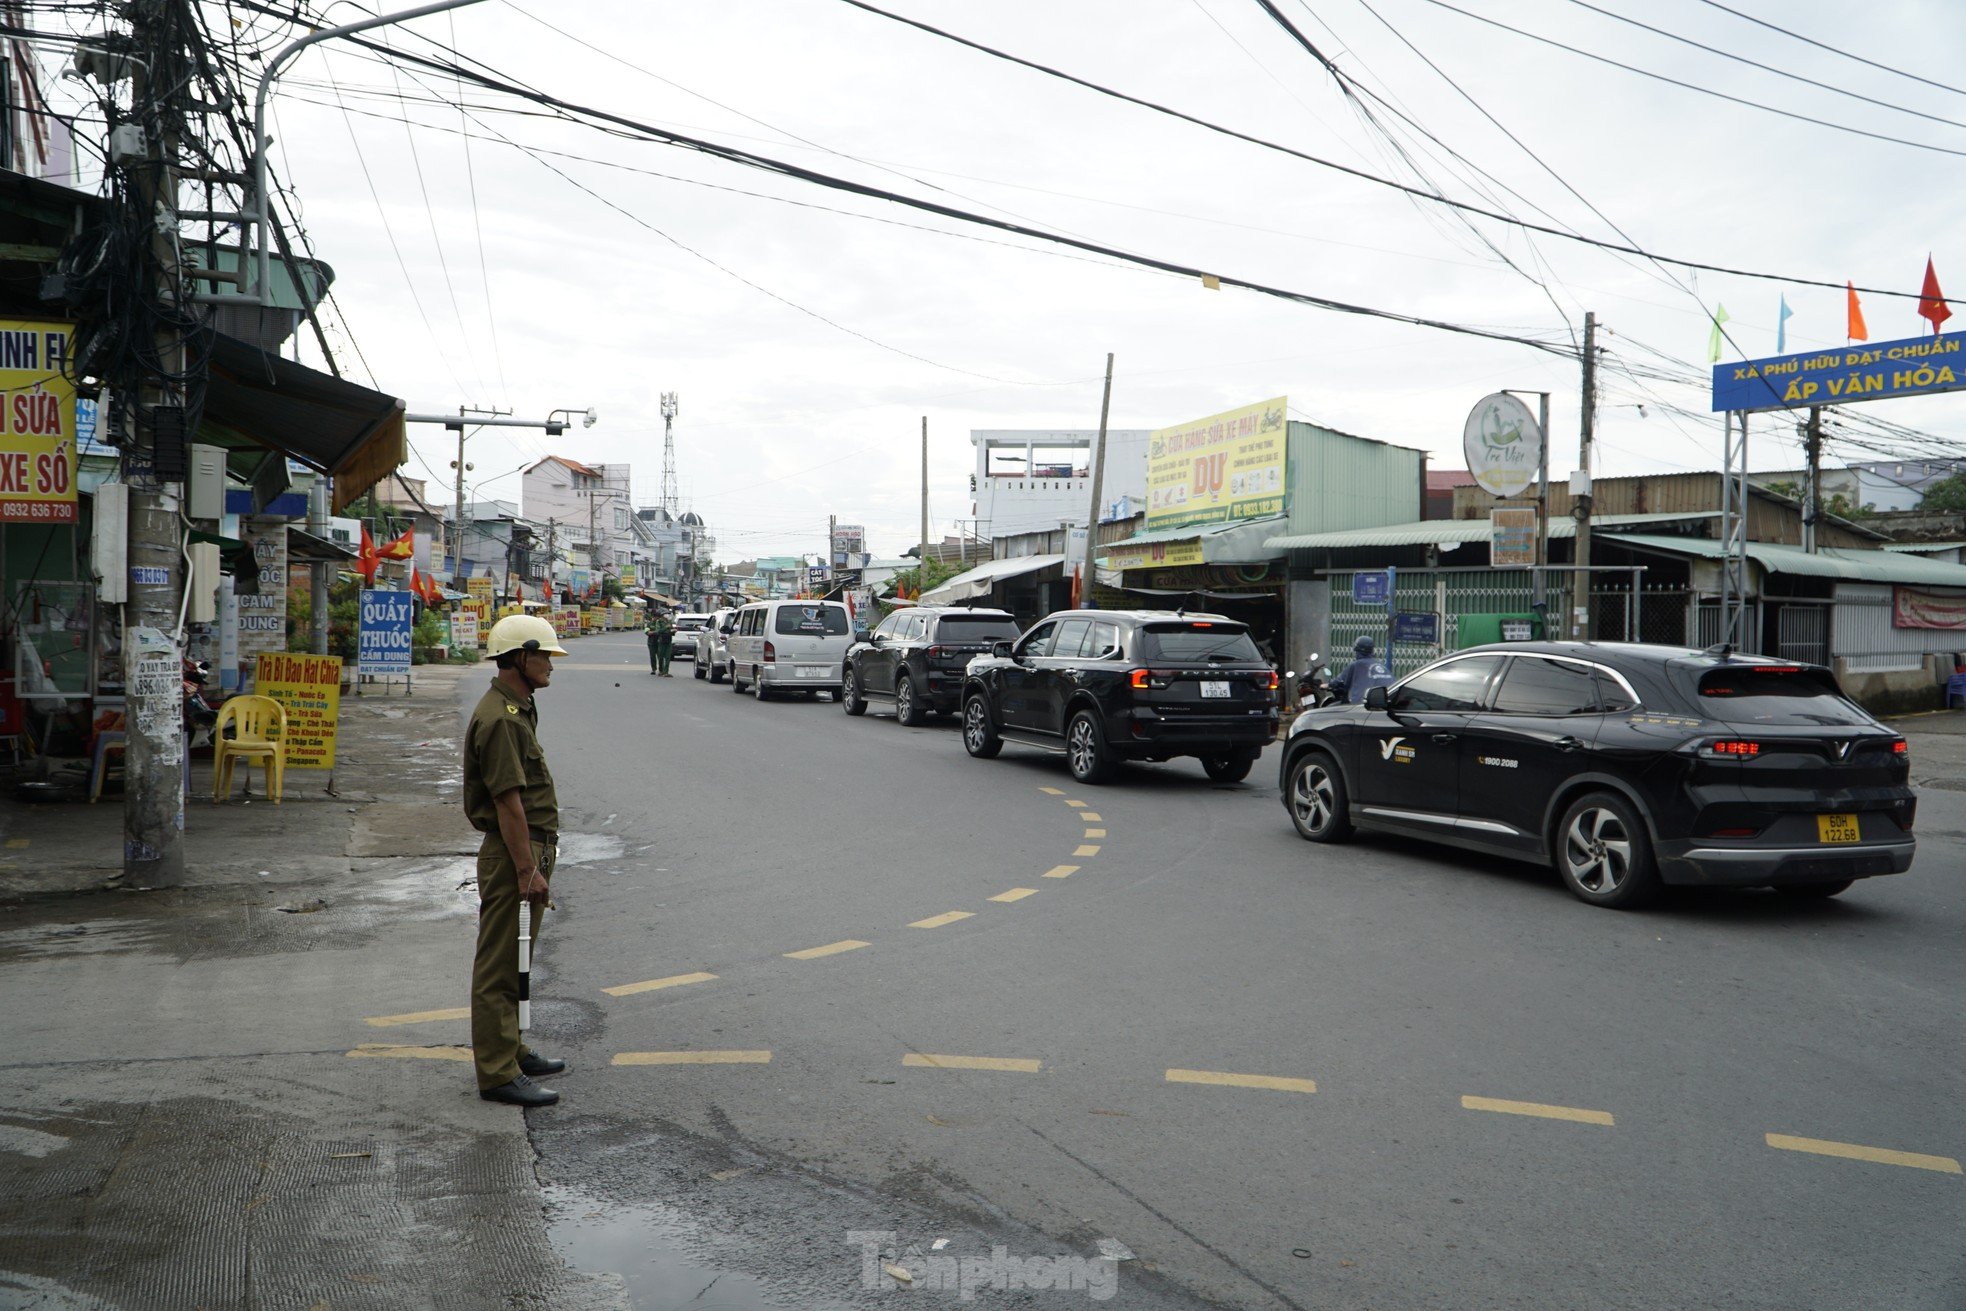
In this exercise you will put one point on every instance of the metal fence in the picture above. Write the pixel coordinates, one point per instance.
(1864, 635)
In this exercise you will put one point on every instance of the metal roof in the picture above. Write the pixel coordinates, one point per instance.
(1853, 566)
(977, 582)
(1241, 541)
(1920, 548)
(1430, 531)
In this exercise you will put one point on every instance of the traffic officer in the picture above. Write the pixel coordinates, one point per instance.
(509, 797)
(662, 642)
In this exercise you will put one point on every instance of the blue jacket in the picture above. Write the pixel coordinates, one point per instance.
(1363, 673)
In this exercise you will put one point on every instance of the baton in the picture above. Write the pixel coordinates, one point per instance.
(525, 966)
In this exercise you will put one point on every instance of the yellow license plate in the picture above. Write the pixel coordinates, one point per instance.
(1837, 828)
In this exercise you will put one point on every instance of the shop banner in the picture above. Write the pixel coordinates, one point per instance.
(1918, 607)
(309, 686)
(1152, 555)
(37, 424)
(1225, 467)
(479, 590)
(262, 614)
(464, 630)
(382, 643)
(1512, 535)
(566, 621)
(593, 620)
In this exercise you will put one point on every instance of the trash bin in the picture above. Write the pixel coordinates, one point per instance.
(1479, 630)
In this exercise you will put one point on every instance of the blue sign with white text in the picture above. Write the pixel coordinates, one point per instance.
(1863, 371)
(382, 643)
(1371, 588)
(1412, 627)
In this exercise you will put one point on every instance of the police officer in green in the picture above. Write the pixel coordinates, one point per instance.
(509, 797)
(662, 642)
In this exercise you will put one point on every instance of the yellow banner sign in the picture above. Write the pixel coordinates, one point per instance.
(1214, 470)
(480, 590)
(1152, 555)
(309, 686)
(37, 424)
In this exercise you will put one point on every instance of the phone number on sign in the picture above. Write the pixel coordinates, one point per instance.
(37, 511)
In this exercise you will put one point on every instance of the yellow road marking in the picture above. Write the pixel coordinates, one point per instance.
(946, 917)
(830, 949)
(1855, 1152)
(651, 985)
(419, 1017)
(1053, 792)
(1076, 805)
(1091, 818)
(1278, 1083)
(1012, 1063)
(1087, 849)
(1061, 871)
(1537, 1109)
(1015, 894)
(692, 1058)
(394, 1052)
(1095, 832)
(17, 843)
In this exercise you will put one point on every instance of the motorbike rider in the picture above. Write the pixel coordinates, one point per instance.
(1365, 671)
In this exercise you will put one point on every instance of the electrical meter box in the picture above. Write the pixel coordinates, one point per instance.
(109, 544)
(201, 588)
(204, 491)
(1479, 630)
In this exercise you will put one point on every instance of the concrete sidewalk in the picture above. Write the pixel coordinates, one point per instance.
(254, 1090)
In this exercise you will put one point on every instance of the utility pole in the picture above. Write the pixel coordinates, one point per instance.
(1086, 574)
(921, 570)
(1580, 612)
(1812, 485)
(832, 535)
(669, 412)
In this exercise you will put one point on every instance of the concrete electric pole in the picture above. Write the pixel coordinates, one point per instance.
(1086, 574)
(1579, 627)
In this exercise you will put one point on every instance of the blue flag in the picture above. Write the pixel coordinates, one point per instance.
(1782, 328)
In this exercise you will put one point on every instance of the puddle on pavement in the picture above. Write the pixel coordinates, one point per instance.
(646, 1246)
(586, 848)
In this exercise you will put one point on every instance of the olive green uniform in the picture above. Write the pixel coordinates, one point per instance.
(502, 752)
(662, 644)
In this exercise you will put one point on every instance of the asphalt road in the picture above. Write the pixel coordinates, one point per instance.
(1280, 1075)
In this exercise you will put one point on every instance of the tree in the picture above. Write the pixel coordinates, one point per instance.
(1947, 494)
(938, 573)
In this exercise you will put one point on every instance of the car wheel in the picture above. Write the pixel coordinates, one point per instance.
(1228, 769)
(980, 737)
(698, 671)
(907, 706)
(758, 687)
(1603, 853)
(1085, 749)
(735, 686)
(850, 699)
(1812, 891)
(717, 673)
(1318, 805)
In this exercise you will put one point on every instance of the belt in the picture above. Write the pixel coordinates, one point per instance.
(544, 838)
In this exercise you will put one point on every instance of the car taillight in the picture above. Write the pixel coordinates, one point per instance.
(936, 653)
(1268, 680)
(771, 654)
(1901, 748)
(1728, 748)
(1140, 680)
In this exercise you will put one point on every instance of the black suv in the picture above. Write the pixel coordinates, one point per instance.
(1111, 685)
(916, 659)
(1623, 766)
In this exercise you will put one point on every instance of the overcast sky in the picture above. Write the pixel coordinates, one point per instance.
(808, 331)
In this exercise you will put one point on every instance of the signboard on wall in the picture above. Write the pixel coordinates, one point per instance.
(37, 424)
(1152, 555)
(263, 614)
(1214, 470)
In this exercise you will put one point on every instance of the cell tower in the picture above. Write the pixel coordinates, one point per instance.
(669, 454)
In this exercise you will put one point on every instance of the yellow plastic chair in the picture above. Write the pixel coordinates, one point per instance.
(259, 732)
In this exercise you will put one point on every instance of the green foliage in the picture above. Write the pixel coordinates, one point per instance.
(1946, 495)
(937, 573)
(1836, 503)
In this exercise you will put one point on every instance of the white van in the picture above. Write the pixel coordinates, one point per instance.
(789, 646)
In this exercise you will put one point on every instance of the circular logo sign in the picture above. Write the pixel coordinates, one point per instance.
(1503, 444)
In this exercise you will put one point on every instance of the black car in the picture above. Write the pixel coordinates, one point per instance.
(916, 657)
(1110, 685)
(1624, 766)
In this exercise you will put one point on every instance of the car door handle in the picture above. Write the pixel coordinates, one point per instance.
(1569, 744)
(1444, 738)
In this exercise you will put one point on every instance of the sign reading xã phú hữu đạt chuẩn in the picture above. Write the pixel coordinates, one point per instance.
(1866, 371)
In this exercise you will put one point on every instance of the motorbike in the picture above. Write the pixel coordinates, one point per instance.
(1313, 689)
(200, 715)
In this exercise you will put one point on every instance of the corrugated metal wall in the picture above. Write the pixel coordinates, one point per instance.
(1338, 481)
(1861, 632)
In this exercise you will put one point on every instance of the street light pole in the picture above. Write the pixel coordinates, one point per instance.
(488, 419)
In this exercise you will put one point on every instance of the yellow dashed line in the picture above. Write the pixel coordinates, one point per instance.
(1012, 1063)
(15, 844)
(1091, 818)
(1087, 849)
(1276, 1083)
(651, 985)
(1076, 805)
(692, 1058)
(830, 949)
(1537, 1109)
(391, 1052)
(946, 917)
(1061, 871)
(1855, 1152)
(1015, 894)
(1095, 832)
(419, 1017)
(1053, 792)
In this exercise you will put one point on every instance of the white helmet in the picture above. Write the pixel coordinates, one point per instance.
(522, 633)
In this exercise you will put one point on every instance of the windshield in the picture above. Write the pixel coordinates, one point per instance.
(812, 620)
(976, 628)
(1216, 643)
(1776, 694)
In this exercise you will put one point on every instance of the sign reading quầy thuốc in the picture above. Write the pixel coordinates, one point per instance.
(1866, 371)
(382, 642)
(309, 687)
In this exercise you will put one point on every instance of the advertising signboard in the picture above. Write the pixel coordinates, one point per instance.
(848, 539)
(1512, 535)
(262, 614)
(1152, 555)
(1227, 466)
(480, 590)
(309, 686)
(1503, 444)
(37, 424)
(464, 630)
(382, 640)
(1864, 371)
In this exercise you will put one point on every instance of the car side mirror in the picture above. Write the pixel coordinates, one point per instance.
(1001, 650)
(1376, 699)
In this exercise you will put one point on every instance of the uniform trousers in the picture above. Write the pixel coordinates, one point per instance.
(496, 1046)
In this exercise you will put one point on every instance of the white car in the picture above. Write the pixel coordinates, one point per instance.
(713, 647)
(689, 629)
(789, 646)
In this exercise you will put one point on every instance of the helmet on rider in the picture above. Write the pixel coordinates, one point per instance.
(1362, 647)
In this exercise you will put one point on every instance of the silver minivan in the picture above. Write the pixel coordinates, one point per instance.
(789, 646)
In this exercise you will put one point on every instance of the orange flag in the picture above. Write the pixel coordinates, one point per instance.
(1857, 331)
(366, 559)
(1931, 304)
(400, 548)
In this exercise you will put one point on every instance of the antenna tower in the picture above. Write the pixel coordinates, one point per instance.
(669, 454)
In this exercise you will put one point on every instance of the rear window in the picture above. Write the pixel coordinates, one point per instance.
(1749, 694)
(1196, 641)
(811, 621)
(976, 628)
(691, 623)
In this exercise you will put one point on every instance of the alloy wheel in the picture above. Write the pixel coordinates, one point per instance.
(1313, 798)
(976, 727)
(1597, 850)
(1084, 747)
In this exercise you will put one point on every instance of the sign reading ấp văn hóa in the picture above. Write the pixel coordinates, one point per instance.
(1864, 371)
(37, 424)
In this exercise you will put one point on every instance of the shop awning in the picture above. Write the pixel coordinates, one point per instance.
(304, 547)
(979, 581)
(1851, 566)
(1427, 532)
(257, 399)
(1242, 542)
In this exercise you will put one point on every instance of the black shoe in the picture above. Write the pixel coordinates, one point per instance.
(535, 1066)
(520, 1092)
